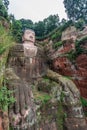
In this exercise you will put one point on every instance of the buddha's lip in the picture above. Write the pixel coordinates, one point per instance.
(29, 41)
(28, 44)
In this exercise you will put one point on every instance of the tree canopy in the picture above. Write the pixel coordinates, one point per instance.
(41, 28)
(76, 9)
(3, 10)
(6, 3)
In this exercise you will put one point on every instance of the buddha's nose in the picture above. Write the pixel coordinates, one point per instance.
(31, 37)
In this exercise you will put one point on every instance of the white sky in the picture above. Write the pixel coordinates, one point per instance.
(36, 9)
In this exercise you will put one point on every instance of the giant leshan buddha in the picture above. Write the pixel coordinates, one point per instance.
(27, 59)
(37, 90)
(25, 65)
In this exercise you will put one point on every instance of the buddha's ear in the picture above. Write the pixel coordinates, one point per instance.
(22, 38)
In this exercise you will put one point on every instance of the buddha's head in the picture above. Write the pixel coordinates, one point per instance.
(29, 36)
(30, 50)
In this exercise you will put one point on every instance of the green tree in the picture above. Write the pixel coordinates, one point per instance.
(76, 9)
(6, 3)
(18, 26)
(3, 10)
(63, 21)
(39, 28)
(26, 23)
(12, 18)
(51, 23)
(17, 30)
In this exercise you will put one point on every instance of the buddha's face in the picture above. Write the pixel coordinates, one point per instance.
(29, 35)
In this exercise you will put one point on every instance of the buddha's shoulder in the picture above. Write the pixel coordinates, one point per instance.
(16, 50)
(17, 47)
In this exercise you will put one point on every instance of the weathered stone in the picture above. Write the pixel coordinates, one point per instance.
(66, 63)
(30, 49)
(21, 114)
(69, 33)
(77, 71)
(39, 108)
(4, 121)
(83, 33)
(75, 124)
(29, 35)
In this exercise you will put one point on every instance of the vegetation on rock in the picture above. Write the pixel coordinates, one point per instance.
(84, 104)
(60, 116)
(57, 44)
(6, 98)
(49, 91)
(79, 48)
(5, 40)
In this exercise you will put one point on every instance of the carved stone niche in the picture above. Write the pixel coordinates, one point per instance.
(30, 50)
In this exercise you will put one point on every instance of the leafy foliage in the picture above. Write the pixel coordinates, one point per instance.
(42, 97)
(76, 9)
(60, 116)
(51, 23)
(5, 40)
(84, 102)
(6, 3)
(41, 28)
(80, 24)
(79, 49)
(78, 43)
(57, 44)
(81, 41)
(3, 10)
(17, 30)
(56, 35)
(5, 98)
(71, 55)
(26, 23)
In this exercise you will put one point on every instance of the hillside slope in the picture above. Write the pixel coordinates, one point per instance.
(68, 56)
(5, 43)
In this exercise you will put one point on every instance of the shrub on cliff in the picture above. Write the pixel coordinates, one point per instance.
(5, 40)
(56, 36)
(57, 45)
(79, 48)
(5, 98)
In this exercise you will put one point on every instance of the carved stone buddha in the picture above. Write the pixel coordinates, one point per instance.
(25, 71)
(30, 50)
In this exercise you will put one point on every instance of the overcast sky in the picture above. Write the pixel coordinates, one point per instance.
(36, 9)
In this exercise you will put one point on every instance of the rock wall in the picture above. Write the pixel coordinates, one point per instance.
(4, 121)
(43, 98)
(3, 60)
(77, 71)
(71, 61)
(21, 72)
(46, 100)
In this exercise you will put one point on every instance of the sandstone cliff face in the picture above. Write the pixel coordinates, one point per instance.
(70, 60)
(5, 44)
(44, 99)
(21, 72)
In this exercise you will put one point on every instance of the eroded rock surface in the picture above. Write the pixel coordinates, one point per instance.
(43, 97)
(70, 59)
